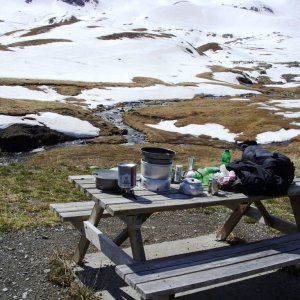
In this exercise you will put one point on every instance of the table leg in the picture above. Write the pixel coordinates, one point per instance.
(84, 243)
(264, 213)
(232, 221)
(123, 235)
(295, 203)
(134, 224)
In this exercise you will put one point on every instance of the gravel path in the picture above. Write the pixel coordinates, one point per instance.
(25, 254)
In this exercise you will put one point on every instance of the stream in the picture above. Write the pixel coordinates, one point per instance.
(115, 115)
(112, 114)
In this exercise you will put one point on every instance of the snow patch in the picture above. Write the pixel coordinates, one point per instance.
(213, 130)
(286, 103)
(19, 92)
(65, 124)
(281, 135)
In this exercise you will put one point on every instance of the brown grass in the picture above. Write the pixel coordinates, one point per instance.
(209, 46)
(37, 42)
(107, 156)
(4, 48)
(12, 32)
(237, 116)
(73, 88)
(47, 28)
(62, 274)
(139, 29)
(134, 35)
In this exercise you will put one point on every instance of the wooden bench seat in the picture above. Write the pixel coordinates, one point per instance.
(156, 279)
(74, 211)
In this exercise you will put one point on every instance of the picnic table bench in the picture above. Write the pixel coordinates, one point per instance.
(162, 278)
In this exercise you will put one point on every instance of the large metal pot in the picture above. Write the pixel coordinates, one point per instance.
(155, 171)
(160, 156)
(155, 185)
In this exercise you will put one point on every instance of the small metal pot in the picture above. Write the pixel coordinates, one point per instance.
(191, 186)
(106, 180)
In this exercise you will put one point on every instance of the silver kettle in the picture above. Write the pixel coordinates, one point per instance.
(191, 186)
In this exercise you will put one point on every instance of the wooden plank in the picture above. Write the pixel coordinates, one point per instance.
(58, 206)
(103, 243)
(76, 206)
(149, 204)
(213, 276)
(207, 255)
(134, 224)
(191, 267)
(123, 235)
(277, 223)
(232, 221)
(295, 203)
(79, 215)
(266, 218)
(75, 216)
(78, 177)
(84, 243)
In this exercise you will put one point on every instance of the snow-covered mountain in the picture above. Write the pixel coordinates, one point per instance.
(109, 41)
(150, 49)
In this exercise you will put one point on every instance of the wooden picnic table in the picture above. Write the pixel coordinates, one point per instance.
(135, 208)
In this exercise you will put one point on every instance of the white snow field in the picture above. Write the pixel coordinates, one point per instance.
(68, 125)
(113, 42)
(213, 130)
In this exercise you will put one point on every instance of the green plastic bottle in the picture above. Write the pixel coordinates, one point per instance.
(204, 174)
(226, 157)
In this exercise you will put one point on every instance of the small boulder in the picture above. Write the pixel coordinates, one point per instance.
(17, 137)
(244, 79)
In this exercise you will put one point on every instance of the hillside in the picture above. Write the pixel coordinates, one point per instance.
(101, 53)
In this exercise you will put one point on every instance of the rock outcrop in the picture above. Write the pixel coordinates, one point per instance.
(17, 137)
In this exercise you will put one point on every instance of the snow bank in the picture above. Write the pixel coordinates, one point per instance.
(213, 130)
(65, 124)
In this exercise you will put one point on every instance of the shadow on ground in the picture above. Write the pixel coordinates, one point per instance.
(281, 284)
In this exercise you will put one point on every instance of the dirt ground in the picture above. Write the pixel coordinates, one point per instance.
(25, 256)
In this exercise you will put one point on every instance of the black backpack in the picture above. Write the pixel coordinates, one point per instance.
(263, 172)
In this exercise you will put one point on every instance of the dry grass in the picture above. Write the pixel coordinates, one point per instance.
(12, 32)
(209, 46)
(47, 28)
(37, 42)
(237, 116)
(134, 35)
(74, 88)
(107, 156)
(61, 274)
(4, 48)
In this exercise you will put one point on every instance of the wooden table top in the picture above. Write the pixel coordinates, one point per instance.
(144, 201)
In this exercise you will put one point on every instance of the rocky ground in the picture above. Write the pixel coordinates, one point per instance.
(25, 254)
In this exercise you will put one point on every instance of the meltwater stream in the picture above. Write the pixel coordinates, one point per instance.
(112, 114)
(115, 115)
